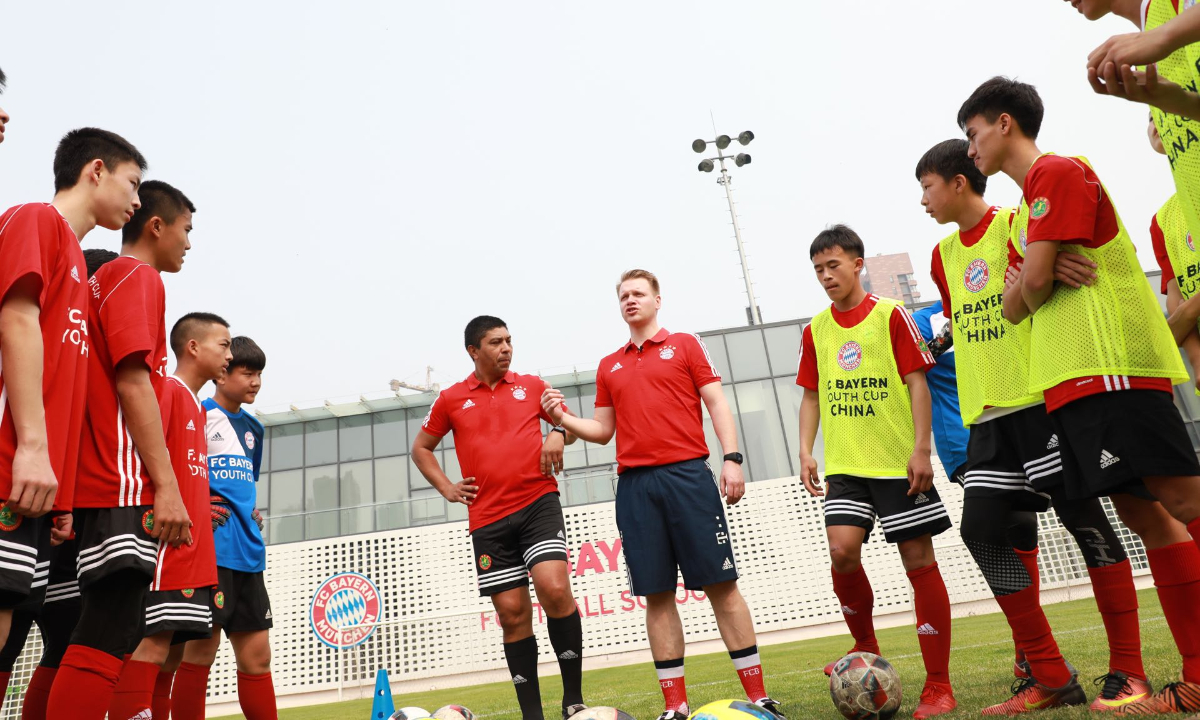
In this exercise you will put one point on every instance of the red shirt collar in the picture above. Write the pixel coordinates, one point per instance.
(973, 235)
(660, 336)
(473, 382)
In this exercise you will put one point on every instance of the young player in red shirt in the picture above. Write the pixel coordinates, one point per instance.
(669, 508)
(853, 357)
(178, 603)
(44, 344)
(1104, 358)
(1013, 466)
(516, 521)
(127, 498)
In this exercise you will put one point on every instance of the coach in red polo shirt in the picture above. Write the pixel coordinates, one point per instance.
(669, 508)
(516, 521)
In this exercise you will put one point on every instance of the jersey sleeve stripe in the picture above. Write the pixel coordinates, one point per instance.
(114, 287)
(13, 216)
(704, 349)
(916, 334)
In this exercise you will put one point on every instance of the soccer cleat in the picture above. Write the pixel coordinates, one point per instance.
(1177, 697)
(771, 706)
(935, 700)
(570, 710)
(1119, 690)
(1029, 695)
(679, 714)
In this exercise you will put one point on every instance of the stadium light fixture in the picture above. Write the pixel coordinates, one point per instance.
(741, 159)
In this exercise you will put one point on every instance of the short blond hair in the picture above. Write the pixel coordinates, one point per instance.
(636, 274)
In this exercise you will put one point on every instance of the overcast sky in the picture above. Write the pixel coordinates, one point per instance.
(369, 176)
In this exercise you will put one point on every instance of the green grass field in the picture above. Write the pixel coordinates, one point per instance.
(980, 664)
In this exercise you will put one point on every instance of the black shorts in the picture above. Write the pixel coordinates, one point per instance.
(506, 550)
(112, 539)
(186, 613)
(240, 602)
(24, 559)
(1015, 453)
(1111, 440)
(856, 501)
(60, 582)
(672, 521)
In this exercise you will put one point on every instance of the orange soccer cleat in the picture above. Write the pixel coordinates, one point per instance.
(1180, 697)
(1119, 690)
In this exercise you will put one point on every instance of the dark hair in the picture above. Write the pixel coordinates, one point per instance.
(479, 327)
(188, 327)
(3, 79)
(837, 236)
(96, 257)
(1001, 95)
(948, 159)
(246, 353)
(79, 147)
(158, 200)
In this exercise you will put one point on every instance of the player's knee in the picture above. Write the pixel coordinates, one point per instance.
(845, 558)
(917, 553)
(556, 598)
(203, 652)
(1173, 493)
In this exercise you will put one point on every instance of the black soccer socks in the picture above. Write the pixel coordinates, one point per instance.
(566, 635)
(522, 657)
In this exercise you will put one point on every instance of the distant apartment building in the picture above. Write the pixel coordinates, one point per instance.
(891, 276)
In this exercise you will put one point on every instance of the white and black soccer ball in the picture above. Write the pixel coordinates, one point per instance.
(601, 713)
(410, 713)
(453, 712)
(864, 686)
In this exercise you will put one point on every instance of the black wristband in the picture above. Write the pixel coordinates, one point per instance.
(559, 429)
(735, 457)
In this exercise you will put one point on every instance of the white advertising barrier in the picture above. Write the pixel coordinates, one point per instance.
(406, 600)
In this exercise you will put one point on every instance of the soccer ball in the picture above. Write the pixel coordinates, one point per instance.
(409, 713)
(864, 686)
(731, 710)
(602, 713)
(453, 712)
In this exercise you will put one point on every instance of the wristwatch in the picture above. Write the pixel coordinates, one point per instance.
(735, 457)
(559, 429)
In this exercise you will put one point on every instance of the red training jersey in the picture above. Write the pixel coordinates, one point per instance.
(37, 242)
(654, 392)
(498, 441)
(1080, 213)
(183, 418)
(127, 319)
(905, 337)
(1158, 240)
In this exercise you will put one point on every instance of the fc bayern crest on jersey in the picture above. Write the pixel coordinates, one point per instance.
(849, 356)
(518, 393)
(249, 440)
(1023, 242)
(1190, 244)
(345, 610)
(667, 352)
(977, 275)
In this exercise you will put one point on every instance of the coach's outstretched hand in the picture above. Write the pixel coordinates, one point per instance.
(171, 523)
(809, 475)
(463, 492)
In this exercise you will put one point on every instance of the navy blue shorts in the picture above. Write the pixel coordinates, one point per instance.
(672, 520)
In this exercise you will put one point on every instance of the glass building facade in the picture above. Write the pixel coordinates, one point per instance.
(345, 469)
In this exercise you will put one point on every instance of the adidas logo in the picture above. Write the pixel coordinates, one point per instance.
(847, 610)
(1107, 458)
(468, 405)
(216, 437)
(517, 680)
(268, 615)
(1053, 442)
(143, 715)
(728, 564)
(921, 499)
(561, 536)
(927, 629)
(615, 368)
(191, 425)
(568, 655)
(75, 274)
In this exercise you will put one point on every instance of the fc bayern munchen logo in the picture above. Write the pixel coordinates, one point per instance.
(976, 276)
(249, 440)
(849, 356)
(1039, 207)
(1190, 244)
(518, 393)
(345, 610)
(485, 562)
(148, 521)
(9, 520)
(667, 353)
(1023, 242)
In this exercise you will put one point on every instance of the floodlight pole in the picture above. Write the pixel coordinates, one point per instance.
(755, 318)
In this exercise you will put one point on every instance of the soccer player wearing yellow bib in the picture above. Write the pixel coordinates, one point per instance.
(1174, 248)
(1103, 357)
(862, 367)
(1013, 467)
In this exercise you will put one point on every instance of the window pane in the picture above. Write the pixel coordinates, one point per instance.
(783, 349)
(321, 489)
(413, 418)
(287, 492)
(720, 358)
(354, 438)
(266, 457)
(390, 434)
(320, 442)
(358, 520)
(321, 524)
(748, 355)
(760, 421)
(357, 488)
(287, 446)
(391, 478)
(263, 491)
(451, 467)
(710, 436)
(789, 395)
(391, 516)
(285, 529)
(587, 400)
